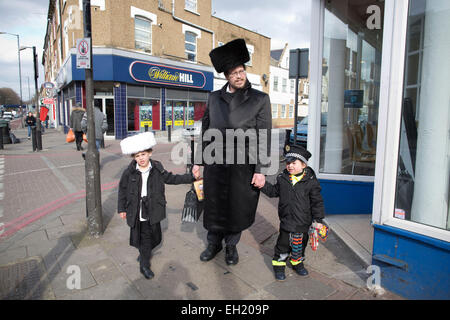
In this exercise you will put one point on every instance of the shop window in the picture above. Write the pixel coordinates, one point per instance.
(190, 46)
(143, 34)
(423, 169)
(142, 112)
(351, 65)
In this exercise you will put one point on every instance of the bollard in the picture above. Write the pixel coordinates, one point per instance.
(33, 138)
(1, 138)
(169, 133)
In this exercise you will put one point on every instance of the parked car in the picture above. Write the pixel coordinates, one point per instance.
(302, 130)
(8, 115)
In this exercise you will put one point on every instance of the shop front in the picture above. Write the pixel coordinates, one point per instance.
(383, 84)
(137, 92)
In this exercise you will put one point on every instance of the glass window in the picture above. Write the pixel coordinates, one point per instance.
(283, 111)
(423, 169)
(350, 89)
(291, 111)
(274, 111)
(292, 86)
(284, 85)
(190, 46)
(142, 34)
(190, 5)
(275, 83)
(140, 113)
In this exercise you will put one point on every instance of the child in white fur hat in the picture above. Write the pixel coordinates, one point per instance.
(141, 200)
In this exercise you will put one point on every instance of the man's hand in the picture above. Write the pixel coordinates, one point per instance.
(259, 180)
(196, 172)
(123, 215)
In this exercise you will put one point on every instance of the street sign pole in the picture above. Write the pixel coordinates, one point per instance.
(38, 120)
(92, 163)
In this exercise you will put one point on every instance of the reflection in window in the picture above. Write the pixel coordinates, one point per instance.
(142, 34)
(350, 90)
(422, 189)
(190, 45)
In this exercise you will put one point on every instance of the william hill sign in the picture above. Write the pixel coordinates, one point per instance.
(148, 72)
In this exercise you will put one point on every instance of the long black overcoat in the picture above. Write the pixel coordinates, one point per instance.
(230, 198)
(130, 194)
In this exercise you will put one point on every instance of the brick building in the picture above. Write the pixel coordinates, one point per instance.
(150, 60)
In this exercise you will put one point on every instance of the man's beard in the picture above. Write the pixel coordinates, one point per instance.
(236, 87)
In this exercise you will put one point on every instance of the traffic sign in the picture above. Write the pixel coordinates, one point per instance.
(84, 53)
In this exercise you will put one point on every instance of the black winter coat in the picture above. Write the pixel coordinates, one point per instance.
(30, 121)
(130, 194)
(299, 204)
(230, 198)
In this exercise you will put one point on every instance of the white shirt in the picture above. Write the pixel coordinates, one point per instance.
(144, 174)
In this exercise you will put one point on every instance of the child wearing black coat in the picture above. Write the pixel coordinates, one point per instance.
(299, 206)
(141, 199)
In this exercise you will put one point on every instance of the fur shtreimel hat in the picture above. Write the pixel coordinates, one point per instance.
(293, 152)
(230, 55)
(138, 143)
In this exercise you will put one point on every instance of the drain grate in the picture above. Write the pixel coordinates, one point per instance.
(24, 280)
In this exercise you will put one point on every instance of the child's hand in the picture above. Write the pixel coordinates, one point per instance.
(196, 172)
(123, 215)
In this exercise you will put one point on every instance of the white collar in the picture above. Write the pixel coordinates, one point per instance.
(146, 170)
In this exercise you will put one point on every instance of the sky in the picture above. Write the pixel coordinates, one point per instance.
(281, 20)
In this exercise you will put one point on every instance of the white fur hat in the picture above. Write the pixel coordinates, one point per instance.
(138, 143)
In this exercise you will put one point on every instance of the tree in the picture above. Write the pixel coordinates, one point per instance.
(9, 96)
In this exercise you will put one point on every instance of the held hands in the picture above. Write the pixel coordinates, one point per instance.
(196, 172)
(259, 180)
(123, 215)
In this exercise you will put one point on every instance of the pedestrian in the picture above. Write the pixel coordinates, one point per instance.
(75, 124)
(100, 125)
(141, 199)
(30, 121)
(231, 189)
(300, 205)
(46, 121)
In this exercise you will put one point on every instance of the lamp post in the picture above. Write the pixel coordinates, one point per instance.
(38, 120)
(20, 72)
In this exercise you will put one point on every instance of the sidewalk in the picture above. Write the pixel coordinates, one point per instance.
(43, 240)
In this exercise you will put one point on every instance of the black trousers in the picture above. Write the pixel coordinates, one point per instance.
(150, 237)
(231, 239)
(283, 247)
(78, 139)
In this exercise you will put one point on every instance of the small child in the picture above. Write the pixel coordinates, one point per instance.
(300, 204)
(141, 199)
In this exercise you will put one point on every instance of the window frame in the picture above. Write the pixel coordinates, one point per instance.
(188, 8)
(142, 18)
(392, 81)
(186, 51)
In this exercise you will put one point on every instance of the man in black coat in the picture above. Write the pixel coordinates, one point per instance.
(231, 187)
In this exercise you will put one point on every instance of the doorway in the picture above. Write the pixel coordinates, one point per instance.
(106, 104)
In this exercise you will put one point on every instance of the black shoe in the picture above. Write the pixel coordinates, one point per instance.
(300, 269)
(231, 255)
(83, 155)
(210, 252)
(279, 273)
(148, 274)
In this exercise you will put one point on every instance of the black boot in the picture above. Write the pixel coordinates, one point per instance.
(210, 252)
(279, 273)
(231, 255)
(300, 269)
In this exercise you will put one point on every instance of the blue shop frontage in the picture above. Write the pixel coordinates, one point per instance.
(379, 77)
(136, 91)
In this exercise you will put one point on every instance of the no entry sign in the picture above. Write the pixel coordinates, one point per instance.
(84, 53)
